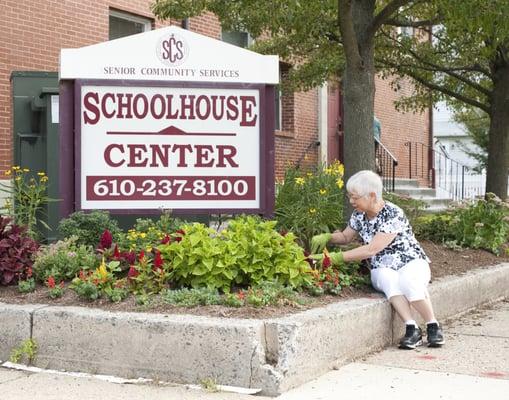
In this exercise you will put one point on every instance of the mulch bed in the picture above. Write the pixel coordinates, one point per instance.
(444, 262)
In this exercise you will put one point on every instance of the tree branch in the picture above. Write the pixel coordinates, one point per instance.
(448, 92)
(413, 24)
(349, 39)
(385, 14)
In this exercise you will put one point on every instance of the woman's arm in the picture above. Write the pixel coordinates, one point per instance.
(343, 237)
(380, 241)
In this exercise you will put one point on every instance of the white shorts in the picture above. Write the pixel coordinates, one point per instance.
(410, 281)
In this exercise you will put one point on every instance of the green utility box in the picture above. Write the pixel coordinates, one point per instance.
(35, 133)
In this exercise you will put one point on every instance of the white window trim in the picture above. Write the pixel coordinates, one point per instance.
(146, 22)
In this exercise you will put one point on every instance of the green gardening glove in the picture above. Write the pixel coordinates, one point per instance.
(319, 242)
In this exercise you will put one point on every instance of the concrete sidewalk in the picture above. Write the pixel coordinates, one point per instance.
(474, 364)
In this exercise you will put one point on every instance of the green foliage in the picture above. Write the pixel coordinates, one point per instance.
(480, 224)
(249, 252)
(103, 280)
(310, 203)
(26, 286)
(63, 260)
(27, 350)
(477, 124)
(434, 227)
(88, 227)
(413, 208)
(86, 289)
(483, 224)
(27, 198)
(148, 276)
(147, 233)
(192, 297)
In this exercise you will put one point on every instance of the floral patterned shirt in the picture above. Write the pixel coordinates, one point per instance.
(391, 219)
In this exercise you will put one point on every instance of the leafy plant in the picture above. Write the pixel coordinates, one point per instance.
(148, 276)
(192, 297)
(26, 286)
(310, 203)
(54, 290)
(27, 198)
(27, 349)
(92, 284)
(88, 227)
(482, 224)
(413, 208)
(63, 260)
(16, 250)
(435, 227)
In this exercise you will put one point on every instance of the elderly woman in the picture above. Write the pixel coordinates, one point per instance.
(399, 266)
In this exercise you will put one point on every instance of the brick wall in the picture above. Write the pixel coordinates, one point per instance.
(399, 127)
(33, 32)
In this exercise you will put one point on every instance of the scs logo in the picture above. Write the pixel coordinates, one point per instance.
(172, 50)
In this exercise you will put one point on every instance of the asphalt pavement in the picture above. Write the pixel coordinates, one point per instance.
(473, 364)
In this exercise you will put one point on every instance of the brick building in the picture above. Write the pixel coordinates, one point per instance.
(33, 32)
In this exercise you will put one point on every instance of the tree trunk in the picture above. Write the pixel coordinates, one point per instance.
(358, 86)
(498, 136)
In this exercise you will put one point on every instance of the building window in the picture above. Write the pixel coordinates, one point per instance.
(124, 24)
(406, 31)
(237, 38)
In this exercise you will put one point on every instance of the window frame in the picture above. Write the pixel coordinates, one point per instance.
(147, 22)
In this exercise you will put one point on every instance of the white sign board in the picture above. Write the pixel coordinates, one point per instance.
(149, 147)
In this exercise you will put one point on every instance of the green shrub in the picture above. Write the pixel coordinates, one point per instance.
(413, 208)
(88, 227)
(192, 297)
(63, 260)
(482, 224)
(249, 252)
(310, 203)
(479, 224)
(434, 227)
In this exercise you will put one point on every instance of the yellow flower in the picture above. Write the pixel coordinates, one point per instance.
(15, 168)
(309, 174)
(340, 183)
(102, 271)
(44, 179)
(328, 171)
(341, 169)
(300, 181)
(143, 235)
(8, 172)
(18, 178)
(148, 249)
(26, 170)
(41, 173)
(312, 210)
(323, 191)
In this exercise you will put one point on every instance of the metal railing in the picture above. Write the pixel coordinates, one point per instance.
(443, 173)
(385, 164)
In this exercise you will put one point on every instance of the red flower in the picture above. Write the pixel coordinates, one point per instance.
(116, 253)
(129, 256)
(241, 295)
(82, 275)
(326, 262)
(178, 239)
(142, 255)
(283, 232)
(51, 282)
(166, 240)
(158, 260)
(181, 232)
(106, 240)
(29, 272)
(133, 272)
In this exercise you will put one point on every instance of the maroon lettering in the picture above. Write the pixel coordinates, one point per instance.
(107, 155)
(202, 156)
(105, 112)
(87, 102)
(202, 102)
(232, 112)
(247, 103)
(187, 105)
(136, 103)
(162, 108)
(160, 155)
(181, 149)
(136, 152)
(124, 105)
(226, 152)
(217, 107)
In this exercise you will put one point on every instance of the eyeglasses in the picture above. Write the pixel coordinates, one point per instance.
(354, 198)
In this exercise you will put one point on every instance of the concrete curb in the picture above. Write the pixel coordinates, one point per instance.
(273, 354)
